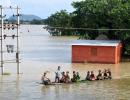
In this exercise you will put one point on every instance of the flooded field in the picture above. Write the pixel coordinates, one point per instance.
(41, 52)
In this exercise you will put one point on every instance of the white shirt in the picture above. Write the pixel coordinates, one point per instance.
(58, 73)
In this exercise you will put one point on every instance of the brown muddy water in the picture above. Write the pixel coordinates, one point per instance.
(41, 52)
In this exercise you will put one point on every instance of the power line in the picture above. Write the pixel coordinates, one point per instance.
(100, 29)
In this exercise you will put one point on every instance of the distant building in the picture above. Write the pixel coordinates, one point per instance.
(96, 51)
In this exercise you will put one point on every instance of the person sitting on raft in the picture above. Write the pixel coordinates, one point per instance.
(74, 77)
(77, 76)
(105, 76)
(63, 78)
(67, 77)
(92, 76)
(88, 76)
(109, 74)
(99, 76)
(45, 79)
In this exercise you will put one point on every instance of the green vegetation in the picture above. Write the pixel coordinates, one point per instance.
(5, 73)
(34, 21)
(59, 19)
(94, 14)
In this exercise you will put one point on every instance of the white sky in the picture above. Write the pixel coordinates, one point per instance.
(42, 8)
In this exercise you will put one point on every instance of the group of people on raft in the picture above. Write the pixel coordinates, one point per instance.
(65, 78)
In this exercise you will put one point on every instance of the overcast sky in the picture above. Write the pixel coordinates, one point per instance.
(42, 8)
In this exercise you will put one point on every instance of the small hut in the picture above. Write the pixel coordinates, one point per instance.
(96, 51)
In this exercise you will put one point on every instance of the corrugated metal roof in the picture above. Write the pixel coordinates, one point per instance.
(97, 42)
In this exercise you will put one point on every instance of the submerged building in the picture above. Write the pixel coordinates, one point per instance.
(96, 51)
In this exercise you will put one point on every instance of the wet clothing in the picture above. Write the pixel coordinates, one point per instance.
(88, 76)
(105, 75)
(99, 76)
(57, 77)
(67, 78)
(92, 77)
(45, 80)
(74, 79)
(109, 75)
(62, 80)
(77, 77)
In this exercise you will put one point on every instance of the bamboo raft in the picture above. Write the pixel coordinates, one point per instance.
(82, 81)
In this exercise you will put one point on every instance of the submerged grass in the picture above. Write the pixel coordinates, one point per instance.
(6, 73)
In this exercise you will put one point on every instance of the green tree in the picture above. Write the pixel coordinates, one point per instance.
(59, 19)
(36, 21)
(110, 14)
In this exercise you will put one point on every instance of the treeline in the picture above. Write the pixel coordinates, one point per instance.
(38, 22)
(94, 14)
(34, 21)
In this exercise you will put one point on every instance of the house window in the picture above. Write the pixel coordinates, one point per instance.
(94, 51)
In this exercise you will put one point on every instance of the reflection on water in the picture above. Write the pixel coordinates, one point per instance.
(99, 90)
(41, 52)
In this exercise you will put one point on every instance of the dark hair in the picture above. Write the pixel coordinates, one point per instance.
(88, 72)
(58, 67)
(44, 74)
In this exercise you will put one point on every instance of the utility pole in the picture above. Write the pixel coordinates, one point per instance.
(17, 53)
(2, 68)
(4, 35)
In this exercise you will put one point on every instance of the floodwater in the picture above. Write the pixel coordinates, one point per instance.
(41, 52)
